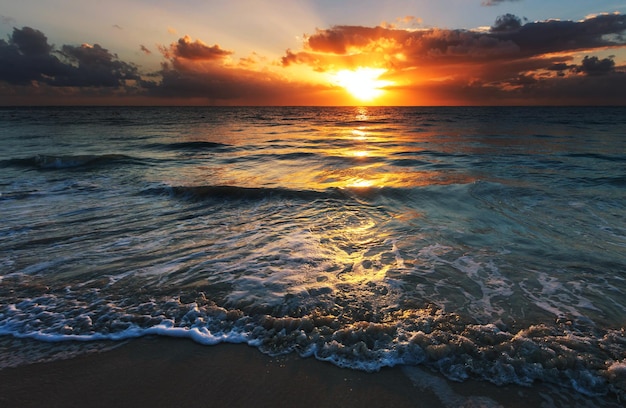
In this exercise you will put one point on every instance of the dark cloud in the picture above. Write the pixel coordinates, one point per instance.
(508, 38)
(197, 50)
(215, 84)
(596, 66)
(506, 23)
(605, 30)
(559, 66)
(567, 90)
(145, 49)
(30, 67)
(28, 58)
(30, 42)
(606, 89)
(495, 2)
(93, 65)
(227, 85)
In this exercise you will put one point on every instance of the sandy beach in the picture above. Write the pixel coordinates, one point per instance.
(160, 372)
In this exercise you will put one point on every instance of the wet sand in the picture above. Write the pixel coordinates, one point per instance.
(158, 372)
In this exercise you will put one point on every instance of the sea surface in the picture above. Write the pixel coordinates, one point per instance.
(481, 243)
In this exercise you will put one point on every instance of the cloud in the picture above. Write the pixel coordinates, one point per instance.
(197, 50)
(509, 57)
(508, 38)
(195, 70)
(595, 32)
(506, 23)
(495, 2)
(567, 90)
(30, 67)
(512, 62)
(30, 42)
(595, 66)
(93, 65)
(27, 58)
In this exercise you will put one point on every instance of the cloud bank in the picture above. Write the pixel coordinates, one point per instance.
(30, 65)
(511, 62)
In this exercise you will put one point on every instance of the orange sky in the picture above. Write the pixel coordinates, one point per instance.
(404, 62)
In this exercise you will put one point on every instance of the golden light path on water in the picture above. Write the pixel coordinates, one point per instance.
(364, 155)
(359, 155)
(371, 147)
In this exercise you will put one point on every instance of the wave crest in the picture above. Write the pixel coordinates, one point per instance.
(227, 192)
(56, 162)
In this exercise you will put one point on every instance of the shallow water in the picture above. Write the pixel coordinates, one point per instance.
(485, 243)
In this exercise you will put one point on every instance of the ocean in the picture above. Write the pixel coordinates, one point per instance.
(481, 243)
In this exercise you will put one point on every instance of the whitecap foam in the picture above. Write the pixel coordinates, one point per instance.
(564, 298)
(356, 332)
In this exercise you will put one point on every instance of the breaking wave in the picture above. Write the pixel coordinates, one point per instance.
(54, 162)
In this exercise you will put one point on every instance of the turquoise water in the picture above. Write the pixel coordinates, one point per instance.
(485, 243)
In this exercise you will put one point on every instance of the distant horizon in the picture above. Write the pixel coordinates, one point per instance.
(313, 53)
(311, 106)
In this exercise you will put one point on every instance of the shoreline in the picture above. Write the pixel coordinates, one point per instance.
(167, 372)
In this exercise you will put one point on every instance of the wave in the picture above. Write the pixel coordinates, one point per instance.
(188, 146)
(364, 195)
(266, 157)
(359, 123)
(564, 352)
(54, 162)
(18, 195)
(598, 156)
(617, 181)
(410, 163)
(226, 192)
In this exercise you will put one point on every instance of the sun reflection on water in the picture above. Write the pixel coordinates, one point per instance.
(362, 151)
(357, 246)
(362, 113)
(360, 183)
(359, 134)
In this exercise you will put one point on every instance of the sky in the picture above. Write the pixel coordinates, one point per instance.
(313, 52)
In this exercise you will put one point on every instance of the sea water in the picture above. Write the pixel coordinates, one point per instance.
(482, 243)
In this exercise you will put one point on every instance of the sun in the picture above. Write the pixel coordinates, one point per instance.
(362, 83)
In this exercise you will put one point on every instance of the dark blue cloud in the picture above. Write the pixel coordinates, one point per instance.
(595, 66)
(27, 57)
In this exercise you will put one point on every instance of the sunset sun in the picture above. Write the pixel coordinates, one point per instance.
(362, 83)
